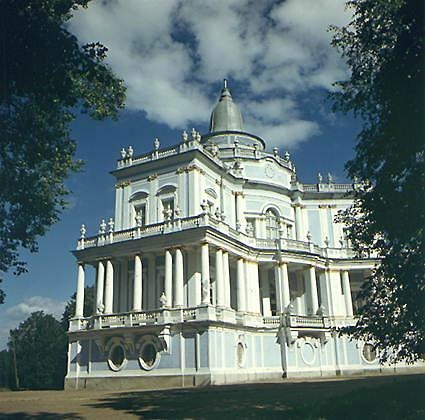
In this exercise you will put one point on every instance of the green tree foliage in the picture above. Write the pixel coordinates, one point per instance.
(6, 370)
(384, 48)
(41, 352)
(45, 76)
(88, 309)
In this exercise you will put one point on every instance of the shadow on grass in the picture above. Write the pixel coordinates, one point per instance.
(395, 397)
(40, 416)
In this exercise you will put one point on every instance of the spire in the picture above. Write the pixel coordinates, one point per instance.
(226, 115)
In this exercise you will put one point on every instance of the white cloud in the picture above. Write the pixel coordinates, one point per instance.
(36, 303)
(13, 316)
(171, 52)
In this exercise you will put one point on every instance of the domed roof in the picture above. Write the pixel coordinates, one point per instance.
(226, 115)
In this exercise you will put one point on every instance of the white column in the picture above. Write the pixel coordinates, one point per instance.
(178, 279)
(109, 287)
(279, 289)
(137, 288)
(100, 285)
(265, 290)
(195, 201)
(286, 297)
(299, 223)
(240, 285)
(205, 270)
(168, 286)
(255, 284)
(226, 278)
(312, 284)
(347, 293)
(240, 210)
(79, 302)
(219, 277)
(150, 284)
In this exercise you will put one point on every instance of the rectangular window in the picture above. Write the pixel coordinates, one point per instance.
(140, 214)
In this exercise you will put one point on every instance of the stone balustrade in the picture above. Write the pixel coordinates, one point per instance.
(209, 220)
(203, 313)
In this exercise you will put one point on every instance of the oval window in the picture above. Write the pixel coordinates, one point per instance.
(148, 356)
(369, 352)
(117, 358)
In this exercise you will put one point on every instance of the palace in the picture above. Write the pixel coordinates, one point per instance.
(220, 266)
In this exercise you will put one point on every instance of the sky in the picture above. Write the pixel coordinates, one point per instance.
(173, 56)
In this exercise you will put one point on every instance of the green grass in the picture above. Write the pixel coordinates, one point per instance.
(388, 397)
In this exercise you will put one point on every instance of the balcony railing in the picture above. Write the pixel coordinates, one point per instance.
(208, 220)
(204, 313)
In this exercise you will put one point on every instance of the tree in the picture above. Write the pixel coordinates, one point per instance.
(88, 309)
(45, 77)
(40, 344)
(384, 49)
(7, 379)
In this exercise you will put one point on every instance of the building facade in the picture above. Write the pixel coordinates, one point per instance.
(219, 266)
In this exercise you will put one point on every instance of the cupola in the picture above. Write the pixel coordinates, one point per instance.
(226, 115)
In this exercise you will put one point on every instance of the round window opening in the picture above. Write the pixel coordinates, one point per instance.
(117, 357)
(241, 354)
(369, 352)
(149, 357)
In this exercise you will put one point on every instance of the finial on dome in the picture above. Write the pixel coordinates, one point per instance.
(225, 84)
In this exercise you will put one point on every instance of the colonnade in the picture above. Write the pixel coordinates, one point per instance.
(218, 290)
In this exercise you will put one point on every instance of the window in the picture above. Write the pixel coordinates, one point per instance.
(117, 358)
(167, 202)
(140, 214)
(272, 224)
(138, 210)
(148, 356)
(168, 208)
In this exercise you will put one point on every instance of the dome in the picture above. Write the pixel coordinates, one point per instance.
(226, 115)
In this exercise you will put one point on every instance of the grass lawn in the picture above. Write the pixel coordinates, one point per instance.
(379, 397)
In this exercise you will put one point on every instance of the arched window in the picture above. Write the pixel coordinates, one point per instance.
(139, 202)
(272, 224)
(167, 195)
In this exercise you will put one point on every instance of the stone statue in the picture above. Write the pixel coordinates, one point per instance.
(102, 227)
(111, 225)
(185, 137)
(83, 231)
(130, 152)
(319, 178)
(156, 143)
(123, 153)
(163, 300)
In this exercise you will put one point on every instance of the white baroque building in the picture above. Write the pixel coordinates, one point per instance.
(220, 266)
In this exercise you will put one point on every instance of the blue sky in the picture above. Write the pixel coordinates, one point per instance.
(173, 56)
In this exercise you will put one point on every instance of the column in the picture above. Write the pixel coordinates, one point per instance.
(152, 300)
(194, 192)
(168, 286)
(347, 293)
(219, 277)
(226, 278)
(109, 287)
(299, 228)
(79, 302)
(205, 270)
(286, 298)
(240, 210)
(312, 285)
(100, 286)
(279, 289)
(240, 285)
(178, 279)
(137, 288)
(265, 291)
